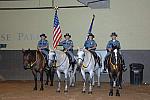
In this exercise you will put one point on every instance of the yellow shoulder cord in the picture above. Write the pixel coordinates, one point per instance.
(113, 65)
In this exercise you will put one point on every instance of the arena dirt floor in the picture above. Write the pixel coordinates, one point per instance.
(23, 90)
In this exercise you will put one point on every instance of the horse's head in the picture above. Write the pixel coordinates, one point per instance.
(52, 57)
(114, 56)
(80, 56)
(27, 58)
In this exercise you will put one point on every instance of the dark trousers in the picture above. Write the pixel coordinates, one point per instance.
(96, 57)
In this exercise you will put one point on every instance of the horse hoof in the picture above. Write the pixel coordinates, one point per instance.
(58, 91)
(46, 83)
(51, 85)
(83, 91)
(66, 91)
(41, 89)
(73, 85)
(98, 86)
(117, 94)
(110, 94)
(90, 92)
(120, 87)
(35, 88)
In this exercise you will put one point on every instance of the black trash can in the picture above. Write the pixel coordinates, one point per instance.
(136, 73)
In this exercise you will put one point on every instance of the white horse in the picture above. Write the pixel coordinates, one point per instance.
(60, 60)
(86, 61)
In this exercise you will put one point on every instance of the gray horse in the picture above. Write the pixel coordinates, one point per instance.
(87, 64)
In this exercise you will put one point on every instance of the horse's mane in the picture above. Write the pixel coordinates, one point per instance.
(39, 55)
(87, 57)
(61, 56)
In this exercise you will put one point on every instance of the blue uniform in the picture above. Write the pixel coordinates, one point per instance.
(43, 43)
(89, 44)
(68, 45)
(113, 43)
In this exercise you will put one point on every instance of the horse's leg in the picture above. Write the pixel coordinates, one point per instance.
(66, 76)
(52, 72)
(90, 81)
(93, 80)
(74, 76)
(84, 79)
(111, 84)
(59, 80)
(118, 83)
(73, 79)
(47, 77)
(98, 76)
(70, 78)
(41, 79)
(35, 79)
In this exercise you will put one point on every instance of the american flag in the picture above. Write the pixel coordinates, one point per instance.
(56, 31)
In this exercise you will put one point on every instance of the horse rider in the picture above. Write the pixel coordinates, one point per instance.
(91, 45)
(111, 45)
(67, 44)
(43, 46)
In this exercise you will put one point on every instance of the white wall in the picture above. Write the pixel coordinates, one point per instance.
(129, 18)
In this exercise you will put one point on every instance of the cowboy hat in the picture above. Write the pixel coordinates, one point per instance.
(67, 34)
(90, 34)
(113, 34)
(43, 35)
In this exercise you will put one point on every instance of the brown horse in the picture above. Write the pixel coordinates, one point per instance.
(36, 62)
(115, 71)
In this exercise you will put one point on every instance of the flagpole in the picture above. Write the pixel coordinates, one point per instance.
(91, 26)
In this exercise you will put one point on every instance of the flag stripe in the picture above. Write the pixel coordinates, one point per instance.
(56, 31)
(58, 39)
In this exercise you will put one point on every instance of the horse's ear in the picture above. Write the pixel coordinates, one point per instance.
(84, 49)
(29, 49)
(23, 50)
(78, 48)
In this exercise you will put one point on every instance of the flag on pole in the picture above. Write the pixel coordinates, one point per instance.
(57, 35)
(90, 29)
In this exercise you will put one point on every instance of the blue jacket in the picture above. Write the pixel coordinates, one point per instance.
(67, 44)
(89, 44)
(112, 44)
(43, 43)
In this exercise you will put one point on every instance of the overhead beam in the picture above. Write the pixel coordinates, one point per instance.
(30, 8)
(13, 0)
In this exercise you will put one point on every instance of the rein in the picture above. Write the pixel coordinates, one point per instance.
(61, 63)
(88, 63)
(113, 65)
(32, 63)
